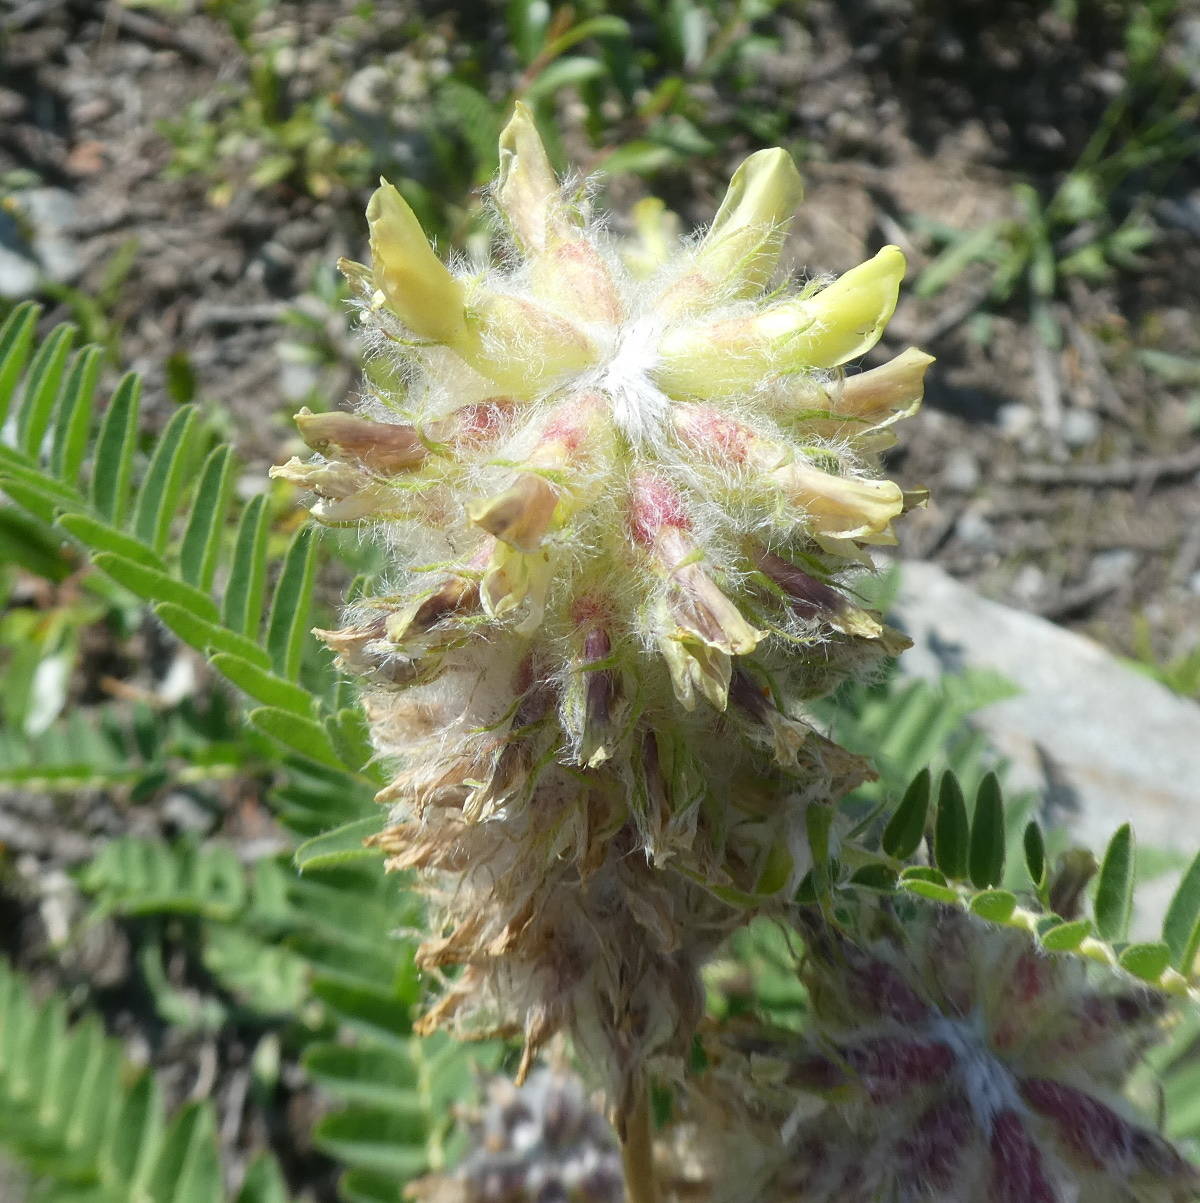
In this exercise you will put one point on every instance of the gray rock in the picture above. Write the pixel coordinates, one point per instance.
(1080, 428)
(36, 241)
(1099, 742)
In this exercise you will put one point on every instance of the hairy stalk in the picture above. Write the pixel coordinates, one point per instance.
(637, 1152)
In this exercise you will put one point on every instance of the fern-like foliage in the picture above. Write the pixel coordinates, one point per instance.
(91, 1128)
(155, 524)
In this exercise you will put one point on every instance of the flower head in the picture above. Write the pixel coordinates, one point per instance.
(622, 515)
(959, 1062)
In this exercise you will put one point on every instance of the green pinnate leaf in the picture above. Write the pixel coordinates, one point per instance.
(1114, 889)
(112, 467)
(380, 1139)
(287, 629)
(1147, 961)
(201, 546)
(69, 438)
(302, 735)
(1035, 854)
(263, 1183)
(996, 906)
(263, 686)
(1181, 926)
(100, 536)
(341, 846)
(242, 608)
(42, 385)
(159, 494)
(906, 828)
(951, 840)
(987, 835)
(1066, 937)
(209, 637)
(152, 585)
(16, 339)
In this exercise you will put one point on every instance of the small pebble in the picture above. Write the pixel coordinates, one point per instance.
(1080, 428)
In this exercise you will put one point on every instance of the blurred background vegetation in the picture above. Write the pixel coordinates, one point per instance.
(177, 179)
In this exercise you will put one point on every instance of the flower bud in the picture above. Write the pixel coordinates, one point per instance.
(527, 190)
(384, 447)
(736, 355)
(657, 231)
(893, 390)
(740, 252)
(345, 493)
(418, 288)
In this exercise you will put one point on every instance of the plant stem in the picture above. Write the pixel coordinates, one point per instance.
(637, 1153)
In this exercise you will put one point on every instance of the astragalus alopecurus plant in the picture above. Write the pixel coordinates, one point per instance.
(623, 509)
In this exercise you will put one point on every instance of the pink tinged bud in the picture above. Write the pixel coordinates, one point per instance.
(1018, 1174)
(889, 1067)
(575, 276)
(710, 433)
(477, 424)
(525, 513)
(933, 1154)
(384, 447)
(654, 504)
(1099, 1137)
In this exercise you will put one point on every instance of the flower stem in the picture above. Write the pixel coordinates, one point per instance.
(637, 1153)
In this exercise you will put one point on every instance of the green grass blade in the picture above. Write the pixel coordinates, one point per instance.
(42, 384)
(242, 609)
(164, 480)
(16, 338)
(112, 468)
(69, 441)
(287, 629)
(201, 547)
(1114, 890)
